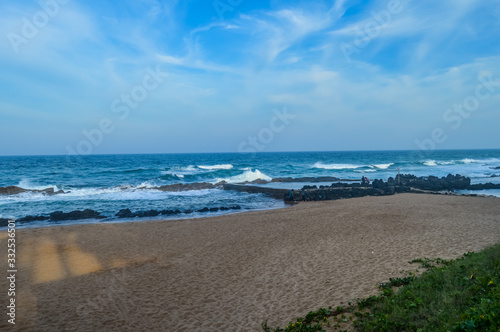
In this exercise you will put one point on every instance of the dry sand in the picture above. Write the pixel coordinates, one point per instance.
(232, 272)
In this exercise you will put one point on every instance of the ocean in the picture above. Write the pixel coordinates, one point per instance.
(109, 183)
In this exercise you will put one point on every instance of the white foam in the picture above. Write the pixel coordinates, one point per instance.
(141, 192)
(465, 161)
(480, 161)
(383, 166)
(335, 166)
(180, 172)
(249, 175)
(180, 176)
(144, 185)
(215, 167)
(26, 184)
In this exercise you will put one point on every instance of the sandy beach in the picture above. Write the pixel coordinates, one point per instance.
(230, 273)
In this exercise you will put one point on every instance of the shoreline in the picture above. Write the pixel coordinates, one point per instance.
(234, 271)
(85, 222)
(402, 183)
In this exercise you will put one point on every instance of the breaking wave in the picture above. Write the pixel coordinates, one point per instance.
(335, 166)
(382, 166)
(249, 175)
(215, 167)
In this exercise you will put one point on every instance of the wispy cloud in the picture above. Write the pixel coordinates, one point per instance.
(229, 74)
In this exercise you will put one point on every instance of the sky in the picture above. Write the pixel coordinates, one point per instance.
(151, 76)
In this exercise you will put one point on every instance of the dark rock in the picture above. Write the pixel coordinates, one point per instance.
(214, 209)
(4, 222)
(433, 183)
(235, 207)
(401, 184)
(148, 213)
(188, 211)
(276, 193)
(188, 186)
(124, 213)
(33, 218)
(205, 209)
(484, 186)
(75, 215)
(307, 179)
(223, 208)
(14, 190)
(167, 212)
(11, 190)
(257, 181)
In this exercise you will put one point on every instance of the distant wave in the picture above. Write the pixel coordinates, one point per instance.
(351, 166)
(335, 166)
(430, 163)
(436, 163)
(249, 175)
(179, 172)
(482, 161)
(465, 161)
(214, 167)
(382, 166)
(166, 175)
(125, 171)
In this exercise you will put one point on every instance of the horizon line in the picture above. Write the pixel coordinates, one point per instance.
(242, 153)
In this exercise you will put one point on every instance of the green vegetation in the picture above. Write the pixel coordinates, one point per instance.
(459, 295)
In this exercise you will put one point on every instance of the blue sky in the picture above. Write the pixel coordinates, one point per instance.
(351, 75)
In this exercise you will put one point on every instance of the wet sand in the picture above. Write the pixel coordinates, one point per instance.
(230, 273)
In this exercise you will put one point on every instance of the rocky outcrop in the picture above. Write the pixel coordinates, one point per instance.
(188, 186)
(450, 182)
(33, 218)
(273, 192)
(311, 193)
(126, 213)
(400, 184)
(302, 179)
(75, 215)
(484, 186)
(14, 190)
(307, 179)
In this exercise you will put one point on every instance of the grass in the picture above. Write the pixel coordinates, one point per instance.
(459, 295)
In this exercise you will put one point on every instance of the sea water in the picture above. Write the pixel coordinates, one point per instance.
(109, 183)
